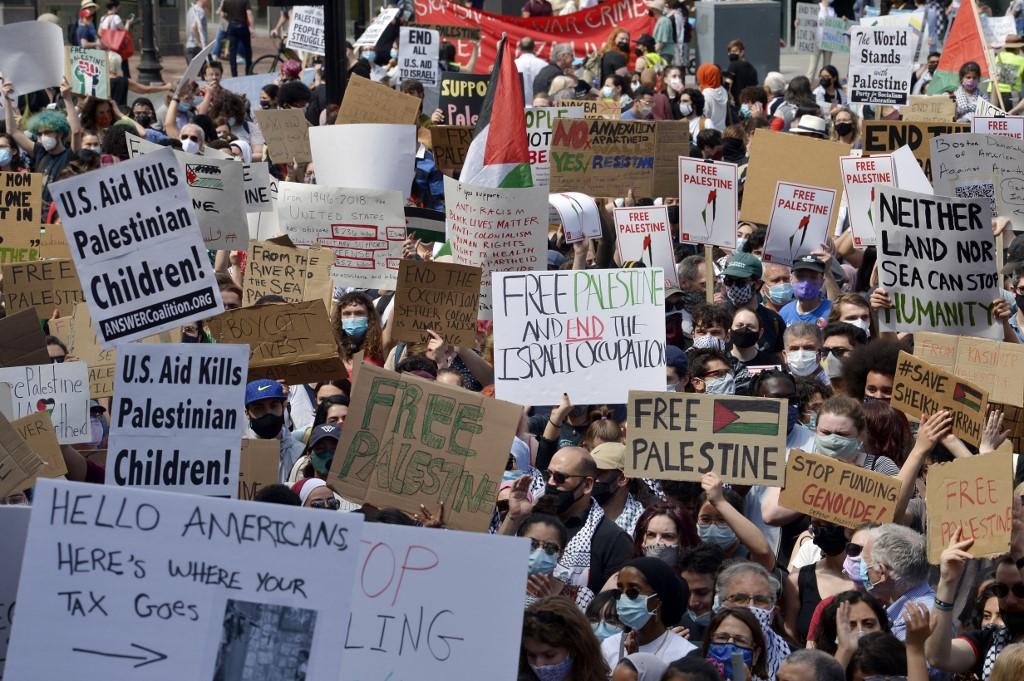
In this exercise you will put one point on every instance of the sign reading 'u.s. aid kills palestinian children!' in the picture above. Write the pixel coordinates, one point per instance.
(137, 247)
(150, 586)
(176, 420)
(937, 262)
(594, 334)
(683, 436)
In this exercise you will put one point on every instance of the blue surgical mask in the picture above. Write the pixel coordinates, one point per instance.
(368, 55)
(633, 612)
(836, 446)
(355, 326)
(792, 417)
(5, 156)
(702, 620)
(722, 654)
(723, 385)
(394, 53)
(780, 294)
(603, 630)
(740, 243)
(232, 121)
(868, 586)
(554, 672)
(542, 562)
(745, 111)
(723, 537)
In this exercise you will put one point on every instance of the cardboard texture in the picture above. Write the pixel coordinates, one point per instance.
(595, 108)
(408, 441)
(772, 157)
(24, 342)
(974, 495)
(996, 365)
(682, 436)
(838, 492)
(369, 102)
(18, 463)
(20, 216)
(441, 297)
(450, 144)
(258, 467)
(671, 142)
(295, 343)
(38, 433)
(295, 274)
(923, 388)
(885, 137)
(42, 284)
(929, 109)
(286, 132)
(53, 243)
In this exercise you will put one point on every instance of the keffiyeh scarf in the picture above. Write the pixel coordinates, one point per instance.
(574, 567)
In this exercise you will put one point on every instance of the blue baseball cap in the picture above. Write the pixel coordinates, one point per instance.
(263, 389)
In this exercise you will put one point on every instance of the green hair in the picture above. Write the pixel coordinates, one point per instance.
(49, 120)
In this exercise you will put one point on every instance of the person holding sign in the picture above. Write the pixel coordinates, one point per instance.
(720, 520)
(265, 404)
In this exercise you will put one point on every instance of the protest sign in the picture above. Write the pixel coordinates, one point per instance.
(881, 65)
(569, 331)
(806, 37)
(425, 224)
(451, 143)
(18, 463)
(450, 447)
(1000, 126)
(462, 96)
(835, 35)
(256, 187)
(799, 223)
(936, 261)
(137, 246)
(602, 158)
(363, 228)
(454, 32)
(707, 195)
(771, 161)
(995, 30)
(418, 50)
(61, 389)
(20, 216)
(885, 137)
(87, 72)
(286, 132)
(922, 388)
(973, 495)
(860, 177)
(258, 466)
(644, 234)
(497, 230)
(250, 86)
(411, 576)
(306, 29)
(24, 341)
(539, 122)
(578, 215)
(986, 108)
(436, 296)
(194, 67)
(53, 244)
(161, 587)
(295, 274)
(294, 343)
(33, 55)
(996, 365)
(985, 167)
(909, 174)
(176, 420)
(682, 437)
(43, 285)
(392, 148)
(594, 108)
(671, 142)
(369, 102)
(38, 433)
(929, 109)
(369, 37)
(14, 520)
(838, 492)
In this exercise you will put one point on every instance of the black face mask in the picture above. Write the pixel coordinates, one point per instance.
(565, 497)
(189, 338)
(844, 129)
(145, 120)
(733, 56)
(624, 45)
(638, 52)
(743, 338)
(932, 67)
(1014, 622)
(825, 82)
(830, 539)
(1020, 302)
(267, 426)
(602, 492)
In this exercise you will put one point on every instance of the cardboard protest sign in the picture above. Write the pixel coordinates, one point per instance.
(985, 167)
(14, 520)
(286, 132)
(860, 177)
(452, 448)
(881, 64)
(462, 96)
(708, 200)
(922, 388)
(672, 142)
(929, 109)
(568, 331)
(497, 230)
(18, 463)
(644, 234)
(885, 137)
(295, 274)
(87, 72)
(806, 37)
(38, 433)
(595, 108)
(936, 261)
(578, 214)
(683, 436)
(412, 576)
(996, 365)
(256, 187)
(20, 215)
(61, 389)
(363, 228)
(53, 243)
(418, 50)
(838, 492)
(999, 126)
(306, 29)
(369, 37)
(295, 342)
(33, 55)
(799, 223)
(835, 34)
(42, 285)
(603, 158)
(975, 496)
(436, 296)
(213, 589)
(771, 161)
(137, 247)
(24, 341)
(258, 466)
(193, 68)
(539, 123)
(392, 148)
(451, 143)
(369, 102)
(987, 108)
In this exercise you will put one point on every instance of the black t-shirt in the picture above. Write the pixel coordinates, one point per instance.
(612, 61)
(235, 11)
(774, 327)
(743, 75)
(542, 83)
(49, 165)
(981, 640)
(610, 549)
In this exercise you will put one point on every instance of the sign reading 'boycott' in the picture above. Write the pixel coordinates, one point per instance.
(838, 492)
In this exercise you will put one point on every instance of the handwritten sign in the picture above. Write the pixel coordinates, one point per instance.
(306, 29)
(286, 132)
(973, 495)
(256, 181)
(999, 126)
(595, 108)
(436, 296)
(61, 389)
(369, 37)
(258, 466)
(600, 158)
(462, 96)
(996, 365)
(881, 64)
(835, 35)
(53, 243)
(38, 433)
(807, 38)
(799, 224)
(14, 520)
(295, 274)
(838, 492)
(710, 190)
(861, 174)
(567, 331)
(936, 261)
(20, 215)
(539, 123)
(42, 285)
(929, 109)
(681, 437)
(885, 137)
(922, 388)
(18, 463)
(417, 55)
(644, 234)
(87, 72)
(450, 144)
(369, 102)
(989, 168)
(183, 586)
(451, 448)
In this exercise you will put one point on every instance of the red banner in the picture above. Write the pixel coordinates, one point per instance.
(587, 29)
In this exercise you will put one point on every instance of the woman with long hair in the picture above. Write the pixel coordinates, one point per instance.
(558, 644)
(614, 52)
(359, 328)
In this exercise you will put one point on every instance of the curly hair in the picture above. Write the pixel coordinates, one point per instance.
(89, 110)
(686, 527)
(228, 105)
(557, 621)
(372, 343)
(825, 635)
(49, 120)
(760, 668)
(879, 355)
(879, 653)
(888, 431)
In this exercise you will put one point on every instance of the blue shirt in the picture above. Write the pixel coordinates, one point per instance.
(818, 315)
(922, 594)
(85, 32)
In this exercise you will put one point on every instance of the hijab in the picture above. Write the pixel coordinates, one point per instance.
(246, 150)
(709, 76)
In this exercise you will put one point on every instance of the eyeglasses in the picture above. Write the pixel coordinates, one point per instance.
(57, 360)
(724, 637)
(194, 138)
(632, 593)
(733, 281)
(332, 504)
(558, 477)
(838, 352)
(550, 548)
(1002, 590)
(853, 550)
(743, 600)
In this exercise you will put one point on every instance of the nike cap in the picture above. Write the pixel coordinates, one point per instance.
(263, 389)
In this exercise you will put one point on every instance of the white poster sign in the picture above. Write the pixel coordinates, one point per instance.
(835, 35)
(799, 222)
(365, 228)
(194, 67)
(909, 174)
(540, 121)
(32, 57)
(578, 214)
(807, 37)
(985, 167)
(180, 587)
(306, 31)
(708, 205)
(1000, 126)
(881, 65)
(256, 181)
(379, 23)
(644, 234)
(418, 50)
(264, 225)
(861, 176)
(569, 331)
(61, 389)
(376, 156)
(14, 520)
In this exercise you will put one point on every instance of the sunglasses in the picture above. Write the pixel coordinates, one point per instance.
(1002, 590)
(733, 281)
(560, 478)
(838, 352)
(194, 138)
(853, 550)
(332, 504)
(632, 593)
(57, 360)
(550, 548)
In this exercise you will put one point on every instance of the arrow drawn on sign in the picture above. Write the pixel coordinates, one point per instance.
(144, 659)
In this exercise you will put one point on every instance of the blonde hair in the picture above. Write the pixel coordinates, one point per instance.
(114, 63)
(1009, 665)
(841, 405)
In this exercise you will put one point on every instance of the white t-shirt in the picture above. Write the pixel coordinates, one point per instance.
(111, 21)
(668, 647)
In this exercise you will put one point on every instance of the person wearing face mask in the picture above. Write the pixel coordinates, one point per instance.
(265, 405)
(846, 127)
(922, 77)
(48, 152)
(651, 600)
(749, 586)
(145, 116)
(318, 455)
(716, 98)
(829, 91)
(839, 434)
(10, 155)
(673, 91)
(193, 139)
(853, 308)
(802, 344)
(691, 110)
(614, 53)
(896, 573)
(742, 278)
(360, 328)
(558, 644)
(616, 89)
(612, 487)
(811, 305)
(711, 373)
(805, 588)
(548, 537)
(643, 102)
(601, 613)
(647, 57)
(662, 531)
(709, 328)
(967, 95)
(720, 521)
(744, 335)
(744, 74)
(731, 632)
(698, 568)
(99, 426)
(777, 291)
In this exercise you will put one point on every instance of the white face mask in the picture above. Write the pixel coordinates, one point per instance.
(676, 84)
(607, 92)
(802, 362)
(685, 109)
(190, 146)
(862, 324)
(49, 142)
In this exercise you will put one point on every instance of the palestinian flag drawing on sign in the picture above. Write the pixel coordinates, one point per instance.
(967, 396)
(746, 417)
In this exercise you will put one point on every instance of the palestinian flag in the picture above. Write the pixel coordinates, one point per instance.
(967, 396)
(746, 417)
(965, 42)
(499, 155)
